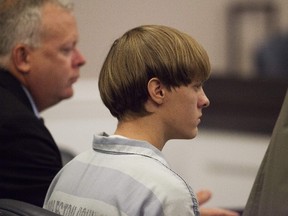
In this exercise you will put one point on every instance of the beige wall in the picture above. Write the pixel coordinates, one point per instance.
(102, 21)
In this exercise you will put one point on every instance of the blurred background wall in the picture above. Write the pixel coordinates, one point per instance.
(225, 161)
(101, 22)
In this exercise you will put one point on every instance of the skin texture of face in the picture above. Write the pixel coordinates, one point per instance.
(54, 66)
(183, 110)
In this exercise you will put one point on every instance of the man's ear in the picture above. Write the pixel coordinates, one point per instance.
(20, 57)
(156, 90)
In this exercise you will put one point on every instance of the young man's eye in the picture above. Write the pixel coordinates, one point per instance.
(198, 86)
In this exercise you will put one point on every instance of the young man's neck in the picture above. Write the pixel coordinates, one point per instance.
(140, 129)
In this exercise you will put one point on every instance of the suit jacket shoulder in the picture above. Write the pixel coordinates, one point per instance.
(29, 156)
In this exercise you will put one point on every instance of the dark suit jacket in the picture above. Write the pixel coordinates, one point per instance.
(29, 157)
(269, 194)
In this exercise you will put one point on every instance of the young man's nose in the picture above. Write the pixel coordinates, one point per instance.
(204, 101)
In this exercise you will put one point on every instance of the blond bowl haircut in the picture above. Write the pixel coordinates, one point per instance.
(142, 53)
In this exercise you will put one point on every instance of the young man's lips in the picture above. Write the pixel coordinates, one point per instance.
(199, 119)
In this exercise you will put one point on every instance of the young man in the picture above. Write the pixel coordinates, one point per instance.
(151, 81)
(39, 62)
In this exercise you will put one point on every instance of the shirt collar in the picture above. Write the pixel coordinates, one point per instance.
(35, 110)
(122, 145)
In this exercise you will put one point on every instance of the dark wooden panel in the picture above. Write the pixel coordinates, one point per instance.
(250, 105)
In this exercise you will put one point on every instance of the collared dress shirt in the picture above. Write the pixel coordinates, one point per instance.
(33, 105)
(120, 176)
